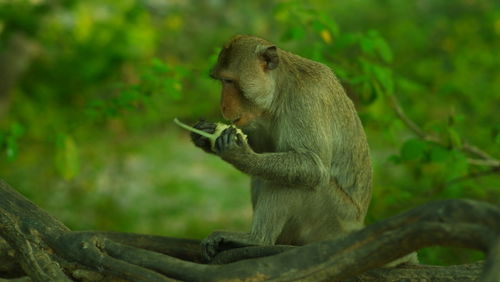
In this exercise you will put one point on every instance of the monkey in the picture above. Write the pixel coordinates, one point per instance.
(307, 153)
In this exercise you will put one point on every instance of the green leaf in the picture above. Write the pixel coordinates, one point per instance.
(330, 24)
(384, 76)
(495, 133)
(413, 149)
(214, 56)
(358, 79)
(67, 157)
(11, 137)
(159, 66)
(407, 85)
(11, 148)
(439, 154)
(368, 92)
(395, 159)
(455, 139)
(367, 45)
(16, 130)
(383, 49)
(294, 33)
(457, 165)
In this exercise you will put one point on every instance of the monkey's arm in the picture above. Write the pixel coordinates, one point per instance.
(304, 168)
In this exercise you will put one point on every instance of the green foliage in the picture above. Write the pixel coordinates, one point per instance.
(413, 149)
(158, 82)
(86, 126)
(447, 164)
(9, 140)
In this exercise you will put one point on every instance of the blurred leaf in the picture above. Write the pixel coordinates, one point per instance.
(384, 76)
(377, 92)
(413, 149)
(457, 165)
(455, 139)
(16, 130)
(329, 23)
(455, 190)
(383, 49)
(368, 92)
(67, 157)
(495, 133)
(407, 85)
(396, 159)
(83, 22)
(11, 148)
(213, 57)
(10, 140)
(158, 66)
(438, 153)
(326, 36)
(282, 11)
(438, 127)
(174, 22)
(367, 45)
(294, 33)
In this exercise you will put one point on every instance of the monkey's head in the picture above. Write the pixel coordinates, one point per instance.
(246, 68)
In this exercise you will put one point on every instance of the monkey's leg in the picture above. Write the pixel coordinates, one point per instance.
(269, 218)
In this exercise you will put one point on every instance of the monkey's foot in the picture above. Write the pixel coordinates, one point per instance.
(210, 247)
(219, 241)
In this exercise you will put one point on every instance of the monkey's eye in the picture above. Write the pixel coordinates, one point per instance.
(225, 80)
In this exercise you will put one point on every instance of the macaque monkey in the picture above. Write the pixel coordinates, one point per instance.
(306, 151)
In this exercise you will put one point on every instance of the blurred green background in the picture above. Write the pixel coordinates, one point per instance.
(88, 91)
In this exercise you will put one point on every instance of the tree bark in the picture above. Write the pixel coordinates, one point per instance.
(41, 247)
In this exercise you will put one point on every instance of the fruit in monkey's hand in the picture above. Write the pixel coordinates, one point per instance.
(211, 136)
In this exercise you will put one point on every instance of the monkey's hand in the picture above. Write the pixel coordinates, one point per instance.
(220, 241)
(202, 141)
(231, 145)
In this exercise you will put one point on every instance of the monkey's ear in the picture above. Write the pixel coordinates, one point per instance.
(270, 57)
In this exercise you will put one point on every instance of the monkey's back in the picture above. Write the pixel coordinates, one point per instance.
(318, 116)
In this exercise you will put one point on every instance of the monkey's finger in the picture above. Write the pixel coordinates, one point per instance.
(239, 139)
(198, 138)
(226, 135)
(201, 142)
(219, 142)
(204, 144)
(217, 145)
(206, 126)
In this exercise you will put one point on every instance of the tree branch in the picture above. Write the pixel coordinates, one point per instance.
(462, 273)
(477, 174)
(9, 268)
(492, 267)
(482, 158)
(48, 251)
